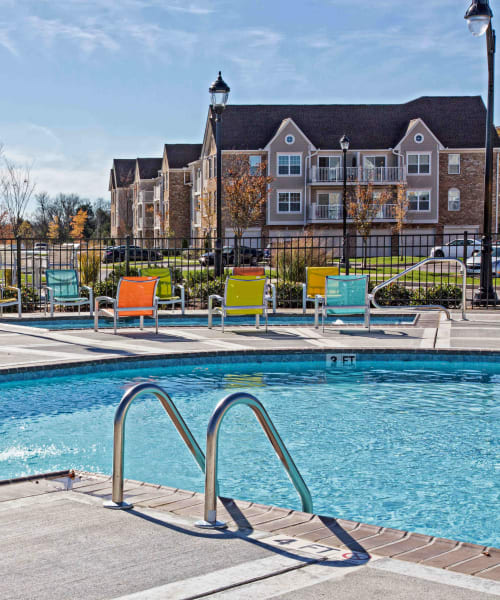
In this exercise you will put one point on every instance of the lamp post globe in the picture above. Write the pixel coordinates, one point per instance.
(479, 16)
(219, 94)
(344, 144)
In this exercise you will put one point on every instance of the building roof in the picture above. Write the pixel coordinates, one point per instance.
(124, 171)
(458, 122)
(180, 155)
(149, 167)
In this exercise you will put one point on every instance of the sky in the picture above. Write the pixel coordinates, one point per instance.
(86, 81)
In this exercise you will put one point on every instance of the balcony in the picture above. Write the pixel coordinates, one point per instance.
(357, 175)
(334, 212)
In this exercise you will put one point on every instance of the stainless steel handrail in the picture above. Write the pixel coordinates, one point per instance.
(463, 270)
(119, 436)
(210, 513)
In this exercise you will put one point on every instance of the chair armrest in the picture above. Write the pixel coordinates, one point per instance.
(179, 285)
(215, 297)
(86, 287)
(100, 299)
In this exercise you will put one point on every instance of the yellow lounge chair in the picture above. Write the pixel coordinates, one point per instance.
(242, 296)
(166, 289)
(315, 283)
(135, 297)
(253, 273)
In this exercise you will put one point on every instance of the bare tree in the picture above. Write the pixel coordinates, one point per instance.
(16, 189)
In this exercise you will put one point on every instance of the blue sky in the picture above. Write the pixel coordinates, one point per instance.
(84, 81)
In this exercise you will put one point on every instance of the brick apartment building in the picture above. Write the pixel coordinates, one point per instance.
(433, 145)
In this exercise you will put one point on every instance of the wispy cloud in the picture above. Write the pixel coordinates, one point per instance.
(6, 42)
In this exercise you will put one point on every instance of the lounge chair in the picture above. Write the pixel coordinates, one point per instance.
(242, 296)
(253, 273)
(135, 297)
(62, 287)
(315, 283)
(344, 295)
(166, 289)
(4, 302)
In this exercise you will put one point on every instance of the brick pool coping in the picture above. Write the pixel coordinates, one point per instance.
(248, 517)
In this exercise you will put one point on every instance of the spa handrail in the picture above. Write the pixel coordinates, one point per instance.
(130, 395)
(210, 512)
(463, 270)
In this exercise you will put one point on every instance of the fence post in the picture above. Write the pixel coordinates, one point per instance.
(466, 239)
(18, 261)
(127, 256)
(346, 252)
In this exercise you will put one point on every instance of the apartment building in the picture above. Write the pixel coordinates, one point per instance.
(434, 146)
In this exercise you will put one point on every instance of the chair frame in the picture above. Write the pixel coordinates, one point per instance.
(305, 297)
(222, 310)
(78, 303)
(116, 310)
(181, 288)
(271, 286)
(320, 303)
(14, 302)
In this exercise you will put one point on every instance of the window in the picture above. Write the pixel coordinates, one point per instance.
(289, 202)
(419, 138)
(289, 139)
(419, 200)
(419, 164)
(210, 170)
(289, 164)
(453, 199)
(453, 164)
(374, 162)
(255, 162)
(329, 205)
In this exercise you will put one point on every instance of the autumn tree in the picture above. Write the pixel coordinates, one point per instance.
(208, 210)
(54, 229)
(363, 206)
(401, 204)
(78, 223)
(245, 194)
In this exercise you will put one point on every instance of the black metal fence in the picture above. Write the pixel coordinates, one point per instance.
(100, 264)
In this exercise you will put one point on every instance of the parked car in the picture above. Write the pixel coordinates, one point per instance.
(117, 254)
(248, 256)
(455, 249)
(473, 263)
(266, 255)
(41, 246)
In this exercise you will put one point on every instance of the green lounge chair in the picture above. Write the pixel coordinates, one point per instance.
(63, 288)
(166, 289)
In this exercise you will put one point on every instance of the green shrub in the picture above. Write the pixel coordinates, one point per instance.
(291, 258)
(201, 291)
(394, 294)
(90, 267)
(289, 294)
(447, 295)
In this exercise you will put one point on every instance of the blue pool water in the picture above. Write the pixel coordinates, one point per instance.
(406, 444)
(201, 321)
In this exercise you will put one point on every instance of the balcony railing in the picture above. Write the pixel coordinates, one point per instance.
(334, 212)
(357, 175)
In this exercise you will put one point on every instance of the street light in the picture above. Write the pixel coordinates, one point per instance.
(478, 18)
(219, 93)
(344, 144)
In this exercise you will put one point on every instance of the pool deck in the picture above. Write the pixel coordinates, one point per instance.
(58, 542)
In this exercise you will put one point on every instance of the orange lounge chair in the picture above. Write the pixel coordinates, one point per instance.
(135, 297)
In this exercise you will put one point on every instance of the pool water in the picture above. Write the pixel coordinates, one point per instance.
(406, 444)
(201, 321)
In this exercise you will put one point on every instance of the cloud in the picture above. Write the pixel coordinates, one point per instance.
(88, 37)
(6, 42)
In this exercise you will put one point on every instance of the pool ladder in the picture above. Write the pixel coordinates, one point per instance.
(208, 466)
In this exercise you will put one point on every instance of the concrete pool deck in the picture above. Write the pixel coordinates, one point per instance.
(58, 542)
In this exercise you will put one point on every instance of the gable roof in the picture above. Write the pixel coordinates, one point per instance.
(457, 121)
(123, 171)
(148, 167)
(180, 155)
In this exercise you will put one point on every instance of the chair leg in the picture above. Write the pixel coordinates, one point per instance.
(114, 322)
(96, 320)
(156, 321)
(141, 322)
(257, 321)
(222, 321)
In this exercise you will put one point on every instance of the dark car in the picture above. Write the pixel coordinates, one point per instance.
(248, 256)
(117, 254)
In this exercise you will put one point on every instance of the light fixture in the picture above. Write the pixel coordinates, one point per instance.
(478, 17)
(219, 93)
(344, 142)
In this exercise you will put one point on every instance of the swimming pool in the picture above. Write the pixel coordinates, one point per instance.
(410, 442)
(201, 321)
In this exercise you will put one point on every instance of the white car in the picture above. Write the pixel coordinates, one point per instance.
(474, 262)
(455, 249)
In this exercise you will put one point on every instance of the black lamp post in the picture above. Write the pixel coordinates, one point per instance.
(219, 92)
(344, 144)
(478, 17)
